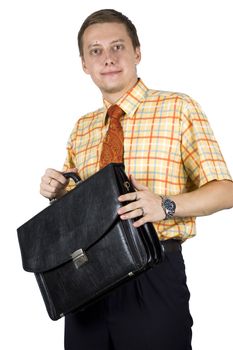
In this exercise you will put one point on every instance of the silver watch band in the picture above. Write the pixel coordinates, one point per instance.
(169, 207)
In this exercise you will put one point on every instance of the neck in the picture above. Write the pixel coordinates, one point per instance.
(113, 97)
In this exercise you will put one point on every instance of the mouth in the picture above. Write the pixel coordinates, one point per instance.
(111, 73)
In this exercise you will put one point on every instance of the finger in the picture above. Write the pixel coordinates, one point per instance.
(129, 207)
(56, 175)
(49, 188)
(72, 170)
(140, 222)
(137, 185)
(132, 214)
(50, 184)
(45, 179)
(129, 197)
(47, 194)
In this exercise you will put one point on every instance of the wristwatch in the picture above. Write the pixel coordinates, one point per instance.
(169, 207)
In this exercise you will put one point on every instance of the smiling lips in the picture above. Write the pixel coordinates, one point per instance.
(111, 73)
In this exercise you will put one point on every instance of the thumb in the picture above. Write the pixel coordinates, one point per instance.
(137, 185)
(72, 170)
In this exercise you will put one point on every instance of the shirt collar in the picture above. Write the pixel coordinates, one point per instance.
(130, 101)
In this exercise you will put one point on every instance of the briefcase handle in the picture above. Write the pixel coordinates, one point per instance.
(73, 176)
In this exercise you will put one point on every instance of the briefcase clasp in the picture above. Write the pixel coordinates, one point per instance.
(79, 258)
(127, 185)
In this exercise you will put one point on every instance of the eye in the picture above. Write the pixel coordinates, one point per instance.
(95, 52)
(118, 47)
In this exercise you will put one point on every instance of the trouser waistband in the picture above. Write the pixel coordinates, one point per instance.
(171, 245)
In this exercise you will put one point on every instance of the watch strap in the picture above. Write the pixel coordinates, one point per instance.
(169, 207)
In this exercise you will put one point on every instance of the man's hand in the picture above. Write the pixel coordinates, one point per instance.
(143, 203)
(53, 183)
(208, 199)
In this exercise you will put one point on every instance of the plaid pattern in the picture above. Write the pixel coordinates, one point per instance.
(168, 146)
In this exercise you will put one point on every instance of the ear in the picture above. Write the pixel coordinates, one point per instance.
(137, 55)
(85, 69)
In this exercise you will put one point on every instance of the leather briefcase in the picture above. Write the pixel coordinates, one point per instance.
(79, 249)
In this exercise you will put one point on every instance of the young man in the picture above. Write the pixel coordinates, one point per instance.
(178, 171)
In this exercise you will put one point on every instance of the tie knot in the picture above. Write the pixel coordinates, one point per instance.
(115, 112)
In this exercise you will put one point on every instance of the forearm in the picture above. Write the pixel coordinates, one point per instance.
(146, 205)
(208, 199)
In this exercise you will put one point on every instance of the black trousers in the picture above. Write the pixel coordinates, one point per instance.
(148, 313)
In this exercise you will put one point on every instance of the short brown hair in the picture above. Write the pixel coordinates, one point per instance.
(108, 16)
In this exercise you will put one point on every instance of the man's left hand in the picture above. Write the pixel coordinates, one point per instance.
(143, 204)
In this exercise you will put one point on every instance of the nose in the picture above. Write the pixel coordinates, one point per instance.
(109, 62)
(109, 59)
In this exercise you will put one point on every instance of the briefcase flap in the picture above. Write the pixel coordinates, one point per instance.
(74, 222)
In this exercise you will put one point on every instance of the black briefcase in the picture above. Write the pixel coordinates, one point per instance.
(79, 249)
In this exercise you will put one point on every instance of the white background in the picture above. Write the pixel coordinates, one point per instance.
(186, 47)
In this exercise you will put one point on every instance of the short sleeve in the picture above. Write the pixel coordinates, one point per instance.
(202, 157)
(69, 161)
(70, 157)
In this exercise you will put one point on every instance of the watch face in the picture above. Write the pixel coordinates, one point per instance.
(170, 205)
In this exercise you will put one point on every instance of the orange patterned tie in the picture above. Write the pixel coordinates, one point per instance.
(113, 144)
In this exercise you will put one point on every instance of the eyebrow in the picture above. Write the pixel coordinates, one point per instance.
(112, 42)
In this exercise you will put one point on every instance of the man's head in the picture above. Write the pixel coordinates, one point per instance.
(110, 51)
(108, 16)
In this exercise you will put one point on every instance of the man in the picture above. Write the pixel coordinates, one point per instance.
(178, 171)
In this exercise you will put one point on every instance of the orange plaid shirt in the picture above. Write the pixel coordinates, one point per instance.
(168, 146)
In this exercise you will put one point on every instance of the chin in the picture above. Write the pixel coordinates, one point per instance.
(112, 88)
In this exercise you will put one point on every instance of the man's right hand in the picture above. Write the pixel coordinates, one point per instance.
(53, 184)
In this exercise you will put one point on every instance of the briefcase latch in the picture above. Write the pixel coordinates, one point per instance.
(79, 258)
(127, 185)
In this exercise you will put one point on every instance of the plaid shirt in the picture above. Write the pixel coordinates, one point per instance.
(168, 146)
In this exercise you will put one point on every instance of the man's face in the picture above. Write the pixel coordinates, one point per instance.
(110, 59)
